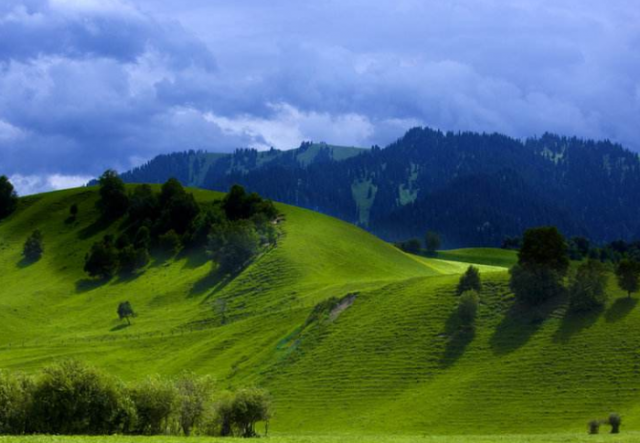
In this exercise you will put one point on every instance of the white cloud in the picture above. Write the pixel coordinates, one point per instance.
(34, 184)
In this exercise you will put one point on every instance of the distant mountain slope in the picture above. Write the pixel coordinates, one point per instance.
(475, 189)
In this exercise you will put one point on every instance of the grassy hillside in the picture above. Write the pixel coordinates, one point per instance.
(390, 358)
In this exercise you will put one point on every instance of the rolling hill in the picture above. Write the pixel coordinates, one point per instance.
(386, 357)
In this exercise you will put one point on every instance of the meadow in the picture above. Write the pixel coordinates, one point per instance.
(394, 360)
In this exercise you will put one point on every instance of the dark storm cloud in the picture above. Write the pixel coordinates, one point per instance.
(90, 84)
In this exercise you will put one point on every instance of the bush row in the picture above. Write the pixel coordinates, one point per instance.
(71, 398)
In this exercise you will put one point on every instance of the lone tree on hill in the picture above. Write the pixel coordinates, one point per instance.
(615, 421)
(114, 201)
(543, 263)
(588, 287)
(470, 280)
(125, 311)
(628, 274)
(432, 242)
(33, 247)
(8, 197)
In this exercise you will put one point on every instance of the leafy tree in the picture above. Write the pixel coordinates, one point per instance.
(588, 287)
(250, 406)
(155, 402)
(470, 281)
(71, 398)
(8, 197)
(239, 205)
(468, 307)
(579, 247)
(34, 246)
(144, 204)
(544, 247)
(125, 311)
(432, 242)
(131, 259)
(73, 211)
(232, 245)
(535, 284)
(170, 242)
(179, 208)
(102, 260)
(113, 201)
(542, 265)
(628, 274)
(194, 396)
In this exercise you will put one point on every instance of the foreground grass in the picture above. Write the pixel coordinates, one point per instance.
(633, 437)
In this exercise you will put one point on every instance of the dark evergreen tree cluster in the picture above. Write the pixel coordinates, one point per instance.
(234, 228)
(71, 398)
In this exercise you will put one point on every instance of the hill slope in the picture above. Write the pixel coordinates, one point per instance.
(389, 357)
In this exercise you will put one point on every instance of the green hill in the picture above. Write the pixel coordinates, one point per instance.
(386, 357)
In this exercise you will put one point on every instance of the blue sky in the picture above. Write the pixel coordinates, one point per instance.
(87, 85)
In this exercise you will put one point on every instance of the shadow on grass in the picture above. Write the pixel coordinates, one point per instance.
(89, 284)
(196, 257)
(520, 323)
(213, 282)
(161, 257)
(575, 322)
(127, 277)
(459, 338)
(94, 228)
(120, 327)
(620, 309)
(26, 262)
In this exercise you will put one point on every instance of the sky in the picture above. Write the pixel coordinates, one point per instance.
(87, 85)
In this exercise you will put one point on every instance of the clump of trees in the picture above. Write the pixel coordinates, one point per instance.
(71, 398)
(8, 197)
(234, 228)
(432, 243)
(614, 420)
(542, 265)
(33, 247)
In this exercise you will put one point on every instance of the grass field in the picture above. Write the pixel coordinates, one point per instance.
(545, 438)
(395, 361)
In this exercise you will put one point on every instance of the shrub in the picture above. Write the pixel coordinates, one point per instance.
(614, 421)
(195, 396)
(34, 246)
(588, 287)
(72, 398)
(468, 307)
(155, 402)
(125, 311)
(470, 281)
(16, 391)
(594, 427)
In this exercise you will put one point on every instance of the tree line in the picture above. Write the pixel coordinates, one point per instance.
(72, 398)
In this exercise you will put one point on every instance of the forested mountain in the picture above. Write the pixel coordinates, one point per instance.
(474, 189)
